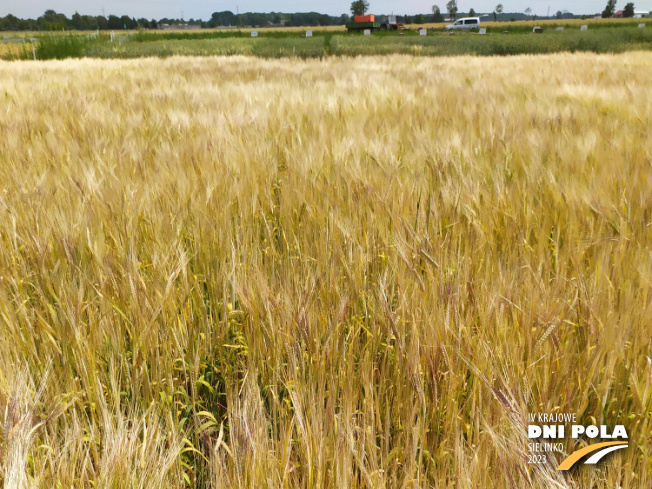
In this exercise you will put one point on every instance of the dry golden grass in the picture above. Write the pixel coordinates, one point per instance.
(235, 272)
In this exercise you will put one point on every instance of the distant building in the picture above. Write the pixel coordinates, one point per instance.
(280, 24)
(637, 14)
(175, 27)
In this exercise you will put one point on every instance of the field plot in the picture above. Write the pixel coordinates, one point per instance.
(264, 48)
(15, 50)
(341, 273)
(596, 40)
(601, 38)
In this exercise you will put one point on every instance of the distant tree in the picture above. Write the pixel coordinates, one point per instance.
(436, 14)
(418, 19)
(49, 15)
(451, 6)
(10, 23)
(80, 23)
(497, 11)
(113, 22)
(609, 10)
(559, 14)
(223, 18)
(128, 23)
(628, 11)
(91, 21)
(528, 11)
(52, 21)
(472, 13)
(359, 7)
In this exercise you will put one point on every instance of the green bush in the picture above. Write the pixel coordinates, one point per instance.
(61, 47)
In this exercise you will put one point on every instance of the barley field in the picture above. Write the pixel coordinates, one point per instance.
(343, 273)
(13, 51)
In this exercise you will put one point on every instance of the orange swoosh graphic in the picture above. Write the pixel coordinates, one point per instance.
(575, 456)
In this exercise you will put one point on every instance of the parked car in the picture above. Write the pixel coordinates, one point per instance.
(465, 23)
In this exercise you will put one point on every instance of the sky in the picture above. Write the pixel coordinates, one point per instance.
(202, 9)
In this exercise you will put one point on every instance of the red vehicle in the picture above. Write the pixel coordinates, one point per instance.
(362, 22)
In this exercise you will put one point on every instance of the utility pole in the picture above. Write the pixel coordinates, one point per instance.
(103, 14)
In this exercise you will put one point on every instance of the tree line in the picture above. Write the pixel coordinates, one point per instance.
(360, 7)
(228, 18)
(53, 21)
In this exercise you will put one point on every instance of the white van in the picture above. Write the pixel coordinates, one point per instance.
(465, 23)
